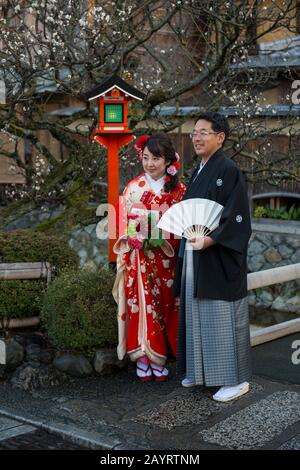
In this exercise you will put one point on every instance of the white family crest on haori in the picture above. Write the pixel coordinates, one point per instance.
(192, 218)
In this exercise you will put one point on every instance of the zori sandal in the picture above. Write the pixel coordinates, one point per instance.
(143, 371)
(160, 372)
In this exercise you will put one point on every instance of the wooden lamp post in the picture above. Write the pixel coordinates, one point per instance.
(113, 96)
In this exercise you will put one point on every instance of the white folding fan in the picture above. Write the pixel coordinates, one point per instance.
(192, 218)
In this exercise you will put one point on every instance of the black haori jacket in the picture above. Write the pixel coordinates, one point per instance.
(220, 271)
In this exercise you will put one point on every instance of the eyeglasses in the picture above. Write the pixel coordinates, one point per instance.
(201, 134)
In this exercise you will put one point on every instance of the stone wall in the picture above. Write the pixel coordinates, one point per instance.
(83, 240)
(90, 249)
(273, 244)
(35, 217)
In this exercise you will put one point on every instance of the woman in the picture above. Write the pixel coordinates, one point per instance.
(148, 312)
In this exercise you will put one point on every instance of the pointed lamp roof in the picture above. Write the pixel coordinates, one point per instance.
(111, 82)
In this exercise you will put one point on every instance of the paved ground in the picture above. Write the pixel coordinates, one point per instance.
(119, 412)
(274, 359)
(14, 435)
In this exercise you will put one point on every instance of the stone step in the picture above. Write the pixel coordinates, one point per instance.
(10, 428)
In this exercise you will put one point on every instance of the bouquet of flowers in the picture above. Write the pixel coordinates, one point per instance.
(142, 232)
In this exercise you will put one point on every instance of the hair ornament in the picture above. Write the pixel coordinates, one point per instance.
(140, 143)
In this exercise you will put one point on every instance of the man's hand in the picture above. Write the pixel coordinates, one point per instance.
(201, 243)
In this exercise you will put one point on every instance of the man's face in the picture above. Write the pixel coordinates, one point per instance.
(205, 140)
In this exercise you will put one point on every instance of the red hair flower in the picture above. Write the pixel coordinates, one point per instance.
(140, 143)
(167, 179)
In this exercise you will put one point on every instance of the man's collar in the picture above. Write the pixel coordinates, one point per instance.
(217, 153)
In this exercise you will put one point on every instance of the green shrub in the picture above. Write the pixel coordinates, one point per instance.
(293, 213)
(28, 245)
(79, 312)
(260, 211)
(19, 299)
(22, 298)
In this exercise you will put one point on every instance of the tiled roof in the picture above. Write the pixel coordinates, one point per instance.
(275, 54)
(192, 111)
(111, 82)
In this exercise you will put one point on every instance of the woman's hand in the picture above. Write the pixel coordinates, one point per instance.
(201, 243)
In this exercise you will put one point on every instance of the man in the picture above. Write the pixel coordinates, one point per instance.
(214, 339)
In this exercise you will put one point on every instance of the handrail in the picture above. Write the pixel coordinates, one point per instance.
(19, 271)
(268, 277)
(28, 270)
(273, 276)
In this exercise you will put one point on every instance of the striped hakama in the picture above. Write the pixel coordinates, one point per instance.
(217, 336)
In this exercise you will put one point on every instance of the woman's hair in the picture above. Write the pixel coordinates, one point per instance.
(160, 145)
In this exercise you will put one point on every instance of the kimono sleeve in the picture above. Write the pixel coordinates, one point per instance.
(234, 230)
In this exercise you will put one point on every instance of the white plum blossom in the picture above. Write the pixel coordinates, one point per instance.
(155, 291)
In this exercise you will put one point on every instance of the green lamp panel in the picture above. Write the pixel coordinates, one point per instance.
(113, 113)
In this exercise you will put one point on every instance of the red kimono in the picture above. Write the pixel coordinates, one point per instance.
(147, 310)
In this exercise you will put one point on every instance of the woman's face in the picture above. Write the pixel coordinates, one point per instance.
(153, 166)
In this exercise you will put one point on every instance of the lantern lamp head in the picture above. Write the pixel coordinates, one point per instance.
(113, 96)
(114, 107)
